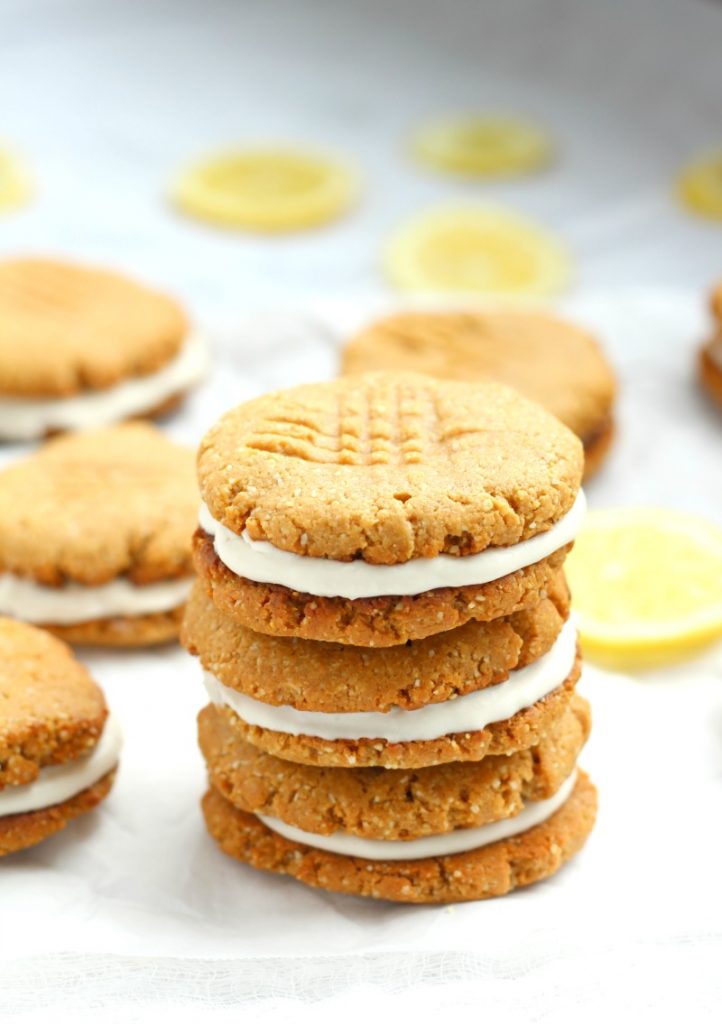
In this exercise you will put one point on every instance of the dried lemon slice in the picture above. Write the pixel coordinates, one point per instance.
(14, 181)
(700, 186)
(482, 145)
(477, 249)
(646, 584)
(267, 189)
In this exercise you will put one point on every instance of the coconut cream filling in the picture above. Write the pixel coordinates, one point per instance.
(323, 577)
(61, 606)
(22, 419)
(459, 841)
(59, 782)
(470, 713)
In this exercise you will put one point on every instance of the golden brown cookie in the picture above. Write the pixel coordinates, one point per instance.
(20, 831)
(51, 711)
(548, 360)
(597, 447)
(66, 329)
(372, 621)
(123, 630)
(88, 507)
(479, 874)
(388, 468)
(710, 368)
(380, 803)
(95, 535)
(328, 677)
(716, 303)
(58, 746)
(524, 729)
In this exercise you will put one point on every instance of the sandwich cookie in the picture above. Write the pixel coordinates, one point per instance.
(94, 536)
(376, 509)
(391, 804)
(548, 360)
(59, 746)
(482, 688)
(83, 348)
(465, 864)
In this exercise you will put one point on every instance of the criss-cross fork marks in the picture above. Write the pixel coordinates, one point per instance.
(367, 426)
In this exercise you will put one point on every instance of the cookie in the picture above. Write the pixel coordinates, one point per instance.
(548, 360)
(710, 368)
(478, 873)
(386, 468)
(386, 507)
(379, 803)
(81, 348)
(716, 303)
(503, 735)
(95, 535)
(58, 746)
(369, 621)
(330, 678)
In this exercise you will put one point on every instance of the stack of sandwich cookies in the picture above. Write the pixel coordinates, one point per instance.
(551, 361)
(381, 617)
(59, 746)
(710, 357)
(94, 536)
(83, 348)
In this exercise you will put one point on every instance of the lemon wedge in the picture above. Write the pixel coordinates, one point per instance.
(482, 146)
(269, 190)
(14, 181)
(480, 249)
(646, 585)
(700, 186)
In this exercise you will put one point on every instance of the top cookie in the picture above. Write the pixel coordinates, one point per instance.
(51, 711)
(86, 508)
(548, 360)
(65, 329)
(389, 467)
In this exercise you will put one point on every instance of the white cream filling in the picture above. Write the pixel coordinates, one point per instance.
(59, 782)
(262, 562)
(470, 713)
(22, 419)
(61, 606)
(459, 841)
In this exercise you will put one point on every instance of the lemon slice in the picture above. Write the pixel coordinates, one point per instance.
(646, 584)
(477, 249)
(14, 182)
(267, 190)
(482, 146)
(700, 186)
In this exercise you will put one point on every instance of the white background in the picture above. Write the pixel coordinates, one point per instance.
(134, 907)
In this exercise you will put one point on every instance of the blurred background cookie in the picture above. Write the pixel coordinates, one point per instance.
(95, 536)
(81, 347)
(710, 357)
(549, 360)
(59, 746)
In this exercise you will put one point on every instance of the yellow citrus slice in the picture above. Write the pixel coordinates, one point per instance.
(267, 189)
(14, 182)
(700, 186)
(478, 249)
(646, 585)
(482, 145)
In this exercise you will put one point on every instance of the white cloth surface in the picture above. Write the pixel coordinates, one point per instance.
(132, 911)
